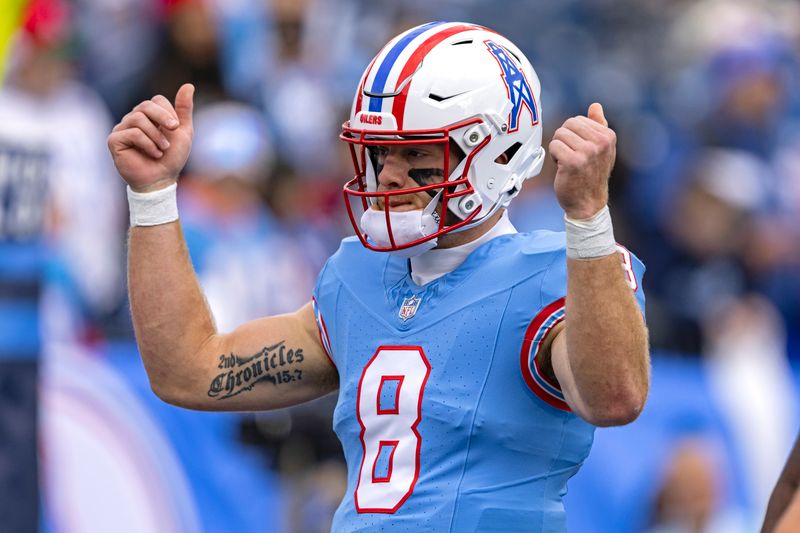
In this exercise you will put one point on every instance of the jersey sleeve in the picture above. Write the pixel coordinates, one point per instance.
(552, 298)
(323, 301)
(634, 273)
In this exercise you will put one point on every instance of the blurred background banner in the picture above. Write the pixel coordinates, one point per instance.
(704, 97)
(10, 16)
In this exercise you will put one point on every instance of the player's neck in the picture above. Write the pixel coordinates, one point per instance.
(460, 238)
(436, 263)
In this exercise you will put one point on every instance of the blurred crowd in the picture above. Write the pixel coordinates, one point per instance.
(706, 191)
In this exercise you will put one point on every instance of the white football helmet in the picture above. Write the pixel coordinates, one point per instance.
(447, 83)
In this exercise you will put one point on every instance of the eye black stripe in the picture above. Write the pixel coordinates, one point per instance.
(422, 176)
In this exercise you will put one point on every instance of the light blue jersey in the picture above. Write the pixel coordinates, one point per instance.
(445, 420)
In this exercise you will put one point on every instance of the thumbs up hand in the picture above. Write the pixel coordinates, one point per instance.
(151, 144)
(584, 149)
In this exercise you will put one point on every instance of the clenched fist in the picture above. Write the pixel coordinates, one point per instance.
(151, 144)
(584, 149)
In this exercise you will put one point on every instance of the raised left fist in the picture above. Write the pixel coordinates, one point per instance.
(584, 149)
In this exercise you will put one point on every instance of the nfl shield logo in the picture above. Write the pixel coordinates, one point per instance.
(409, 307)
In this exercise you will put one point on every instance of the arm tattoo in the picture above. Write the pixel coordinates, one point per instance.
(275, 364)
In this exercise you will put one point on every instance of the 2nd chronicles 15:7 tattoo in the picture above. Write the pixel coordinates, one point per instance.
(276, 364)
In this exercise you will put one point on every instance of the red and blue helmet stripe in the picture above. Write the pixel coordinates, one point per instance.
(382, 74)
(386, 79)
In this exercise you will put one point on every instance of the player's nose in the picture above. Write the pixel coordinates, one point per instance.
(393, 174)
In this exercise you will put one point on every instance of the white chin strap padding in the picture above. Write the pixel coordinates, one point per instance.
(407, 226)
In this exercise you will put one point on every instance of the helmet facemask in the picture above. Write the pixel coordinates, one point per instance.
(444, 186)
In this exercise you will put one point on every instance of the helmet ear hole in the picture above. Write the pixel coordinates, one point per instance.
(506, 157)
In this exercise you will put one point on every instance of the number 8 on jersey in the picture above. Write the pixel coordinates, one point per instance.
(389, 409)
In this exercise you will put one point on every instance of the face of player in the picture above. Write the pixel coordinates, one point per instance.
(407, 166)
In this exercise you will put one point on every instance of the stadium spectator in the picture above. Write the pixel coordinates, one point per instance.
(59, 263)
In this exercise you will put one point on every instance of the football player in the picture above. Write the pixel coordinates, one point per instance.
(472, 362)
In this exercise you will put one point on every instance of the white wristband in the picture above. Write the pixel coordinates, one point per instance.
(590, 237)
(153, 208)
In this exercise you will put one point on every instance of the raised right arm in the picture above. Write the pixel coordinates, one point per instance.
(268, 363)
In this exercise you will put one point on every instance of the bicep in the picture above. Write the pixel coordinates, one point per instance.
(265, 364)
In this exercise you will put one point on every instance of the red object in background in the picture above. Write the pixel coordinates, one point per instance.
(46, 21)
(170, 6)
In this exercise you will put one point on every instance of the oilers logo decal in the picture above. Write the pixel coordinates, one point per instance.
(519, 90)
